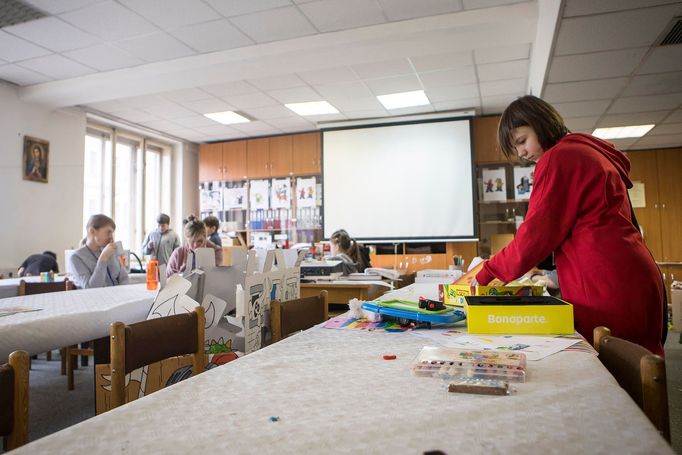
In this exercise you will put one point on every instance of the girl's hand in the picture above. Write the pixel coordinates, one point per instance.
(108, 252)
(473, 282)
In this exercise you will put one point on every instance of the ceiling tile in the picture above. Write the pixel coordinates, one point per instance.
(54, 34)
(13, 49)
(389, 85)
(230, 8)
(496, 104)
(581, 124)
(155, 47)
(249, 100)
(503, 70)
(104, 57)
(384, 68)
(277, 82)
(584, 90)
(666, 128)
(21, 76)
(295, 95)
(453, 92)
(145, 101)
(445, 78)
(583, 108)
(161, 125)
(411, 110)
(397, 10)
(194, 121)
(172, 13)
(366, 113)
(329, 76)
(623, 144)
(56, 67)
(61, 6)
(505, 87)
(331, 15)
(269, 112)
(274, 25)
(326, 118)
(652, 84)
(208, 106)
(257, 128)
(618, 30)
(667, 140)
(173, 112)
(442, 61)
(189, 94)
(646, 103)
(109, 107)
(502, 53)
(476, 4)
(674, 117)
(640, 118)
(466, 103)
(354, 96)
(230, 88)
(135, 115)
(585, 7)
(212, 36)
(294, 123)
(661, 59)
(597, 65)
(110, 21)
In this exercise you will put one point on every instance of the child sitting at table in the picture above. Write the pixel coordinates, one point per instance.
(195, 237)
(35, 264)
(212, 225)
(343, 248)
(95, 264)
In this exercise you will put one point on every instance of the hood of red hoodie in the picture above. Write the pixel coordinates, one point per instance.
(607, 149)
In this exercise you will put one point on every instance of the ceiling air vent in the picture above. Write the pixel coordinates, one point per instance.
(14, 12)
(672, 33)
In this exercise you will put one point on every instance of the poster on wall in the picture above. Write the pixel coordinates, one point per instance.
(280, 194)
(235, 198)
(494, 185)
(258, 194)
(306, 192)
(35, 160)
(523, 181)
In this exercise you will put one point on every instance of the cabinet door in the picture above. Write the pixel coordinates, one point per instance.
(306, 154)
(234, 160)
(670, 197)
(644, 169)
(258, 158)
(485, 140)
(210, 162)
(281, 153)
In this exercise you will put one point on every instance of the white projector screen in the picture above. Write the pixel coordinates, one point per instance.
(399, 183)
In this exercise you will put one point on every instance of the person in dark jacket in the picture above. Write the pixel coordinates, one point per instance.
(35, 264)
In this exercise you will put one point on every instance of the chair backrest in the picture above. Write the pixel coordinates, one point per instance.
(639, 372)
(136, 345)
(14, 400)
(26, 288)
(300, 314)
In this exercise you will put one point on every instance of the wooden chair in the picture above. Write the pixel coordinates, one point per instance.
(27, 288)
(14, 400)
(295, 315)
(136, 345)
(639, 372)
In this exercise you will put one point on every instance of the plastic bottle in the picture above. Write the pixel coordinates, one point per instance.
(152, 275)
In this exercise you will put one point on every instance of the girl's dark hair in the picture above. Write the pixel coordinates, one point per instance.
(99, 221)
(530, 111)
(212, 221)
(194, 227)
(348, 245)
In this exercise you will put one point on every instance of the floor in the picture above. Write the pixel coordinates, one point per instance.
(52, 407)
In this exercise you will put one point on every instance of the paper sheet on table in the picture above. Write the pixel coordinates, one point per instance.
(17, 309)
(535, 347)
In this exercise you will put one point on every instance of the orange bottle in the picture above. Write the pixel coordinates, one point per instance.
(152, 275)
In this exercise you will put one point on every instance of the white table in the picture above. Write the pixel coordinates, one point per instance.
(333, 393)
(9, 287)
(70, 317)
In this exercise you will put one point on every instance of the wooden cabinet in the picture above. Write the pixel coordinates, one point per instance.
(210, 162)
(486, 149)
(258, 158)
(222, 161)
(281, 156)
(307, 154)
(269, 157)
(234, 160)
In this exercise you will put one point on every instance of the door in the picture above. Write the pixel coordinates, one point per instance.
(306, 154)
(281, 153)
(644, 170)
(210, 162)
(234, 160)
(670, 195)
(258, 158)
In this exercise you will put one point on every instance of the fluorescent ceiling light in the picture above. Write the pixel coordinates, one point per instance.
(312, 108)
(227, 117)
(621, 132)
(404, 99)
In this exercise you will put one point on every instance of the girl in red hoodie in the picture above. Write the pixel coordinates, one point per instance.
(579, 210)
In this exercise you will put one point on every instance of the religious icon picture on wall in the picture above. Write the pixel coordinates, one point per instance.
(35, 159)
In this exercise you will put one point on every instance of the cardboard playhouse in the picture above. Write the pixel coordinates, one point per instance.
(236, 300)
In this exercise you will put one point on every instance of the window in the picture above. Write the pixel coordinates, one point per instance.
(130, 182)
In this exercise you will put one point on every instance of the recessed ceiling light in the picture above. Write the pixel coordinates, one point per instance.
(621, 132)
(312, 108)
(227, 117)
(404, 99)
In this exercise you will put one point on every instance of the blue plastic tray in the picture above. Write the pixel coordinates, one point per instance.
(405, 309)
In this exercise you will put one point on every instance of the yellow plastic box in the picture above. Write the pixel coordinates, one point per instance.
(519, 315)
(454, 294)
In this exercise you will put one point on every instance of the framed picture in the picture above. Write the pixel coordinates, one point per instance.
(494, 185)
(523, 182)
(36, 155)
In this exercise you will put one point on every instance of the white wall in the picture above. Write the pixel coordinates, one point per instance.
(39, 216)
(186, 191)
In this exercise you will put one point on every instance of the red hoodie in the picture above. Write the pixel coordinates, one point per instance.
(579, 210)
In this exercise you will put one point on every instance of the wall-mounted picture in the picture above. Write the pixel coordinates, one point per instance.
(494, 185)
(281, 194)
(306, 189)
(259, 193)
(36, 154)
(523, 182)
